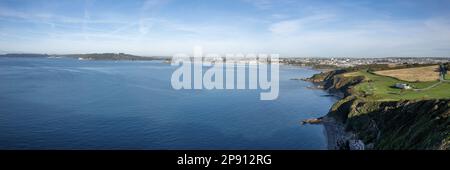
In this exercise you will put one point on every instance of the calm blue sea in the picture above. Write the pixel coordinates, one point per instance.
(70, 104)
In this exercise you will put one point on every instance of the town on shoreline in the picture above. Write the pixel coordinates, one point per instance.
(315, 62)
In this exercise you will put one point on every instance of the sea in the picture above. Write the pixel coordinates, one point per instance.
(65, 103)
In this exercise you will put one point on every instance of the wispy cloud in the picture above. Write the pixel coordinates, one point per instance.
(287, 27)
(49, 17)
(261, 4)
(154, 4)
(371, 39)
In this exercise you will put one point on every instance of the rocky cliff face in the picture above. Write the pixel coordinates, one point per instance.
(334, 82)
(413, 124)
(422, 124)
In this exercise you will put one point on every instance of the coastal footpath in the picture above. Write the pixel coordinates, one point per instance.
(372, 114)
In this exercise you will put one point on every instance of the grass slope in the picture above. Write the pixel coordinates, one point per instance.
(380, 88)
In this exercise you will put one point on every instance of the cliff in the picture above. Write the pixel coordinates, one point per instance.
(403, 124)
(334, 82)
(421, 124)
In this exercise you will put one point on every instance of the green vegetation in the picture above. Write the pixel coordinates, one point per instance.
(386, 117)
(403, 124)
(376, 87)
(411, 125)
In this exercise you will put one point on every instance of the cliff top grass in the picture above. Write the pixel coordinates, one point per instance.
(381, 88)
(428, 73)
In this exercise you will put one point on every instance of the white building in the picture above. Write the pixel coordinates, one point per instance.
(403, 86)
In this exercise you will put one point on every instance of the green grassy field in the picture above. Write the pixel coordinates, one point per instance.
(376, 87)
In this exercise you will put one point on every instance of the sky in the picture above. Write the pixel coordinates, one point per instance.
(291, 28)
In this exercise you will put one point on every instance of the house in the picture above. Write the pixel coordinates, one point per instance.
(403, 86)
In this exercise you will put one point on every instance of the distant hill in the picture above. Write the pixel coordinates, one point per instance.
(24, 55)
(93, 56)
(109, 56)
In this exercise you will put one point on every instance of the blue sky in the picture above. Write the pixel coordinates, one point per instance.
(300, 28)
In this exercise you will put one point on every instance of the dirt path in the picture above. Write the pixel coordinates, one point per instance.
(429, 87)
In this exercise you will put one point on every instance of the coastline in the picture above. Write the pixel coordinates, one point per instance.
(334, 131)
(355, 123)
(336, 135)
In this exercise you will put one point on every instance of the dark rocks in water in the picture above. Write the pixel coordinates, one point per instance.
(312, 121)
(315, 87)
(300, 79)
